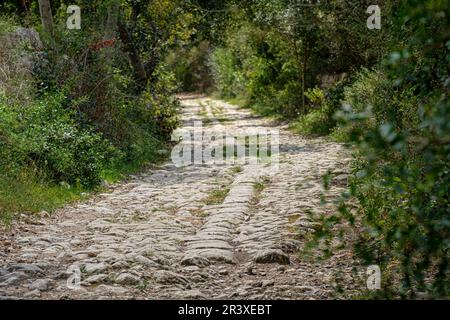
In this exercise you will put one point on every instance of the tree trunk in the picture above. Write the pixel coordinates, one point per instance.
(300, 59)
(140, 76)
(23, 5)
(46, 16)
(304, 64)
(154, 59)
(111, 28)
(111, 23)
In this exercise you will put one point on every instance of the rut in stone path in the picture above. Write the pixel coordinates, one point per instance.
(200, 231)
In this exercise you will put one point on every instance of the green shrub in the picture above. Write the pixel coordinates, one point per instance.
(402, 185)
(257, 66)
(314, 123)
(316, 97)
(44, 136)
(321, 119)
(7, 24)
(225, 72)
(397, 116)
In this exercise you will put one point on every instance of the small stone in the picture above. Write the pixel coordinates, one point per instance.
(223, 272)
(191, 268)
(103, 289)
(44, 214)
(108, 255)
(250, 270)
(161, 261)
(217, 255)
(195, 261)
(267, 283)
(27, 268)
(272, 256)
(193, 295)
(92, 268)
(32, 294)
(168, 277)
(11, 279)
(40, 284)
(197, 278)
(242, 293)
(304, 289)
(289, 245)
(281, 269)
(120, 265)
(95, 279)
(145, 261)
(127, 279)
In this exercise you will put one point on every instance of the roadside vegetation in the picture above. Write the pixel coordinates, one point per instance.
(90, 106)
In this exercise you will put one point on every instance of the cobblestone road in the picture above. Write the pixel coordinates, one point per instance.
(195, 232)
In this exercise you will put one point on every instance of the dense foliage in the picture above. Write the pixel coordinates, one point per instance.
(399, 117)
(98, 101)
(275, 51)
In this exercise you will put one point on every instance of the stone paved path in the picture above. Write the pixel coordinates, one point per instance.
(211, 231)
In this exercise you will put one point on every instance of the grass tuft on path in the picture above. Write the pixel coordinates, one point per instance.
(216, 196)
